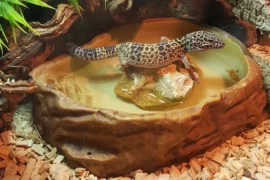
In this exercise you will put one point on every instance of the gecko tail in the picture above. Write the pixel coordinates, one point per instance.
(71, 48)
(91, 53)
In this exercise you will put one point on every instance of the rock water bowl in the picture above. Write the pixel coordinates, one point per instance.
(77, 111)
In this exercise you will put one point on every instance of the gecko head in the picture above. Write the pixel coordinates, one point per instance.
(203, 40)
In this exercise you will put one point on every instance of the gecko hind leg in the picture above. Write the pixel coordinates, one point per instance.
(189, 69)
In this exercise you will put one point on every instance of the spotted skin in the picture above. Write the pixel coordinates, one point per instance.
(152, 55)
(91, 54)
(149, 55)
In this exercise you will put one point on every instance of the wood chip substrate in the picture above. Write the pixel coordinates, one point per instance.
(23, 155)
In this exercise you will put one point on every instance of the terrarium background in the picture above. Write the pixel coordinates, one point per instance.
(247, 20)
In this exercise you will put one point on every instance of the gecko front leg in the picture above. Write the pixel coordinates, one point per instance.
(183, 59)
(189, 68)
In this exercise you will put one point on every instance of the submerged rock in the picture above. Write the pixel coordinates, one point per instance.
(154, 89)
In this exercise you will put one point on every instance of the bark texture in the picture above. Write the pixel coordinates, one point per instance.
(254, 11)
(261, 56)
(34, 50)
(29, 53)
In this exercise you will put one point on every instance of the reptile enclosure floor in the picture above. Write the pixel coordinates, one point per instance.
(77, 111)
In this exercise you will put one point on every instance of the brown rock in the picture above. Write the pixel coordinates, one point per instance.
(126, 140)
(140, 176)
(261, 56)
(26, 143)
(212, 166)
(5, 150)
(185, 176)
(4, 163)
(45, 175)
(151, 176)
(11, 169)
(234, 149)
(166, 170)
(260, 176)
(79, 171)
(19, 154)
(36, 170)
(206, 174)
(195, 165)
(58, 159)
(117, 178)
(218, 158)
(252, 11)
(12, 177)
(133, 173)
(45, 167)
(174, 172)
(21, 169)
(51, 154)
(3, 157)
(164, 177)
(22, 160)
(236, 141)
(85, 174)
(251, 134)
(38, 148)
(29, 169)
(59, 172)
(224, 150)
(192, 173)
(259, 139)
(7, 137)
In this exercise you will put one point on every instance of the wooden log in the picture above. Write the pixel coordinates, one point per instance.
(29, 169)
(33, 50)
(261, 56)
(256, 12)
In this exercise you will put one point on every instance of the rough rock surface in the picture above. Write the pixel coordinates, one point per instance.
(109, 142)
(155, 89)
(261, 55)
(15, 82)
(245, 156)
(190, 9)
(255, 11)
(11, 94)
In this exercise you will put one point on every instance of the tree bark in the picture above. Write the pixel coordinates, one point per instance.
(256, 12)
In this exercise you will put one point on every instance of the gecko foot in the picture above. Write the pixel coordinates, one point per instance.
(190, 72)
(193, 76)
